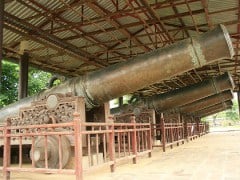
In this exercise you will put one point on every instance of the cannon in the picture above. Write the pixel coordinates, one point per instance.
(206, 102)
(189, 94)
(141, 71)
(114, 81)
(214, 109)
(183, 99)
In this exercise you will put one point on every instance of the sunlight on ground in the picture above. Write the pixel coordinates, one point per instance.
(225, 128)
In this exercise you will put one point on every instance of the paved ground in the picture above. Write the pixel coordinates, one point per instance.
(215, 156)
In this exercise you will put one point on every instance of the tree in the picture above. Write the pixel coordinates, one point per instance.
(37, 81)
(232, 113)
(9, 83)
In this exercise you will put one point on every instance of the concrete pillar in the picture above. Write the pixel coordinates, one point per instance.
(1, 34)
(23, 76)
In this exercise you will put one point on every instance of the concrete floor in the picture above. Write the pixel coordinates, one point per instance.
(215, 156)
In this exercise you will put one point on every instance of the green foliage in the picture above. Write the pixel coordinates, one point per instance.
(37, 80)
(9, 83)
(232, 114)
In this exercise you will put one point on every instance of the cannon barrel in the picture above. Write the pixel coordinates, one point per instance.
(184, 99)
(214, 108)
(141, 71)
(206, 102)
(192, 93)
(214, 111)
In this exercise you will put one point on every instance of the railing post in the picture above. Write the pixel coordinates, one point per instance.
(171, 135)
(198, 129)
(153, 134)
(150, 140)
(163, 132)
(134, 139)
(153, 127)
(177, 129)
(192, 132)
(111, 143)
(182, 133)
(79, 117)
(186, 131)
(7, 151)
(205, 127)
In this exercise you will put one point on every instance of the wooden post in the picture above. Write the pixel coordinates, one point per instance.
(79, 117)
(205, 127)
(23, 76)
(186, 131)
(198, 128)
(134, 139)
(111, 144)
(163, 132)
(171, 136)
(153, 124)
(107, 111)
(7, 151)
(178, 128)
(149, 139)
(120, 101)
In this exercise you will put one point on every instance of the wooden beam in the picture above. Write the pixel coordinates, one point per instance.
(179, 18)
(154, 15)
(101, 12)
(205, 7)
(50, 39)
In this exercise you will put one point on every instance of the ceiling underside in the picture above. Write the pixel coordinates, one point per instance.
(73, 37)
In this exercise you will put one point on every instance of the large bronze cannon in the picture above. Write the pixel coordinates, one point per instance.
(189, 94)
(186, 99)
(141, 71)
(214, 109)
(206, 102)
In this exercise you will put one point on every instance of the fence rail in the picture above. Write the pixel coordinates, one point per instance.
(170, 134)
(101, 144)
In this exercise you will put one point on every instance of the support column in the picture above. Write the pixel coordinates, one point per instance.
(107, 111)
(120, 100)
(1, 34)
(23, 76)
